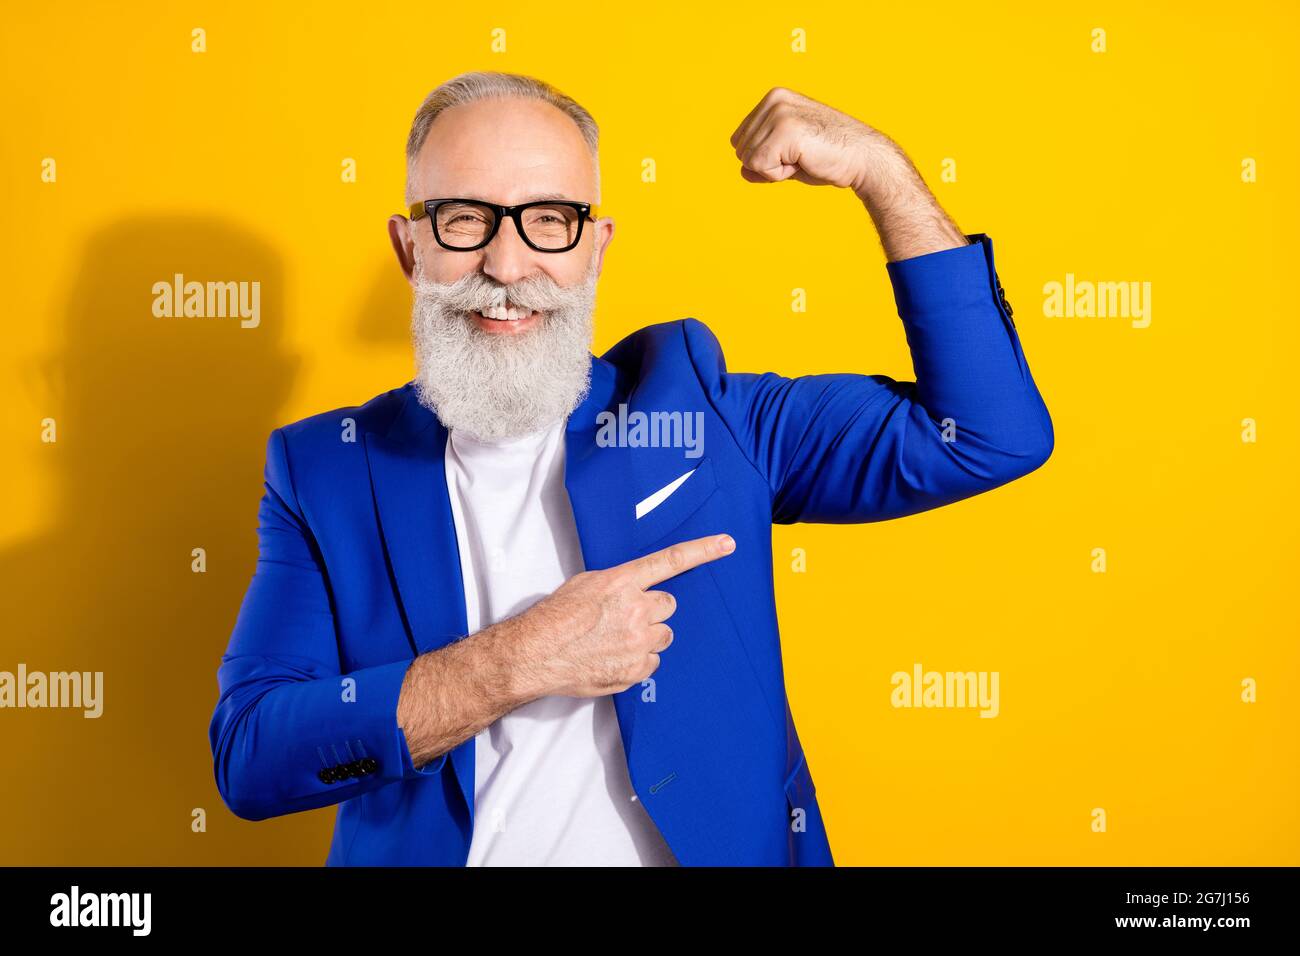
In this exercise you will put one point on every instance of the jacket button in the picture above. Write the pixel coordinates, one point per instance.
(326, 775)
(1002, 296)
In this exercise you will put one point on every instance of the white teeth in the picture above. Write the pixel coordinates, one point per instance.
(503, 314)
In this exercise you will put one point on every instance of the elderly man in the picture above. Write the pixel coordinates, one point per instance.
(494, 630)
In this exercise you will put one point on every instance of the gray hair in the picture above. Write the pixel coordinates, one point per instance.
(490, 84)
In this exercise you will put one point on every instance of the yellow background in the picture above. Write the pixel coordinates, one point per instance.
(1118, 690)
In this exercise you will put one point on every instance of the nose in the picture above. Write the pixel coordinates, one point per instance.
(507, 258)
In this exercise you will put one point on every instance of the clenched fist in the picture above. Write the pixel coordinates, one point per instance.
(791, 136)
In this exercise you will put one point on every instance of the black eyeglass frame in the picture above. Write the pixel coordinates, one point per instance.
(429, 207)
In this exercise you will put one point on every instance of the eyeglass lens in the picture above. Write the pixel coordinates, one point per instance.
(465, 225)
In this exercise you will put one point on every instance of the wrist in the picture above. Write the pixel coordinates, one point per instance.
(907, 216)
(887, 175)
(517, 660)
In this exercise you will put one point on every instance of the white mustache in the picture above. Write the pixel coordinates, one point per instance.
(475, 292)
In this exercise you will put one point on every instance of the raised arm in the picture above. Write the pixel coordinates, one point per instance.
(854, 447)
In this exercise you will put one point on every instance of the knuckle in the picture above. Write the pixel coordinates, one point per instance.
(631, 598)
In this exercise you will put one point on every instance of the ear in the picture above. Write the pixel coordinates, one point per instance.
(604, 236)
(399, 233)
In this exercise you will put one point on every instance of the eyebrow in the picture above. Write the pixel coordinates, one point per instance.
(535, 197)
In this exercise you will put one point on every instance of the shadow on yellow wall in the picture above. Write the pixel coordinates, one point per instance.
(161, 430)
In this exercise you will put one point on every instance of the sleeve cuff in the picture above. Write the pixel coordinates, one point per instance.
(384, 688)
(939, 281)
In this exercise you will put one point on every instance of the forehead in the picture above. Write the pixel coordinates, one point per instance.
(506, 151)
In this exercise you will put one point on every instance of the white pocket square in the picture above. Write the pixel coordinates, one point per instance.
(648, 504)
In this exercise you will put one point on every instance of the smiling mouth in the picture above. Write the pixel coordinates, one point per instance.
(495, 314)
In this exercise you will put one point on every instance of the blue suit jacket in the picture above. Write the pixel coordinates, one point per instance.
(359, 571)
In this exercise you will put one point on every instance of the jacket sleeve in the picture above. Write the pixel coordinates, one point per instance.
(290, 731)
(849, 447)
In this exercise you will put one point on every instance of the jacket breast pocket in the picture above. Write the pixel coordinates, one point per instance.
(660, 517)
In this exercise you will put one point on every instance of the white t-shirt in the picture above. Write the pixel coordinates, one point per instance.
(551, 786)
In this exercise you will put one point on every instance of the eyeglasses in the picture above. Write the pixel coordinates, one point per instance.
(463, 225)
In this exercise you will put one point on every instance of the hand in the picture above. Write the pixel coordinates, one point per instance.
(601, 632)
(790, 136)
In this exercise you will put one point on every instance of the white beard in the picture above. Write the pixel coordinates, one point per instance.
(499, 387)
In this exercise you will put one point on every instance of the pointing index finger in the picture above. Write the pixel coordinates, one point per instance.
(673, 560)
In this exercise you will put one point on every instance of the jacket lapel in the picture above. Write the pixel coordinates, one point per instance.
(410, 488)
